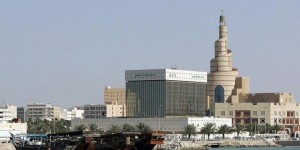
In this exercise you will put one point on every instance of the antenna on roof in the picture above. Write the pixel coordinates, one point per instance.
(174, 67)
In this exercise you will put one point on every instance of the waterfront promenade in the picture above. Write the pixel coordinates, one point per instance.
(230, 143)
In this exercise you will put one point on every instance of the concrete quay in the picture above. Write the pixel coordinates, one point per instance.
(201, 145)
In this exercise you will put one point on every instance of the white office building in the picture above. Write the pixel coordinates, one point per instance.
(7, 113)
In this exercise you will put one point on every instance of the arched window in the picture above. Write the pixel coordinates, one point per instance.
(219, 94)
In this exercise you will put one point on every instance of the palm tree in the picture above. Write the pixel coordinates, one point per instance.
(189, 130)
(45, 126)
(261, 129)
(268, 128)
(208, 129)
(128, 128)
(79, 127)
(114, 129)
(93, 127)
(276, 128)
(37, 126)
(251, 128)
(239, 129)
(224, 129)
(141, 127)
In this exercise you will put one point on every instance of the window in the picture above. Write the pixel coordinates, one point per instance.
(219, 94)
(247, 121)
(230, 113)
(247, 114)
(254, 113)
(275, 112)
(222, 113)
(262, 120)
(262, 113)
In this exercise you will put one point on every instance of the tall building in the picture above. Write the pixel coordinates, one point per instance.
(114, 95)
(114, 99)
(165, 92)
(221, 80)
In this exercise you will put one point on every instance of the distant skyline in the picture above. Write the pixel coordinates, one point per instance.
(65, 52)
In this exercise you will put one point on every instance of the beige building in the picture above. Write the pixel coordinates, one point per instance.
(229, 97)
(43, 111)
(115, 110)
(263, 108)
(114, 99)
(114, 95)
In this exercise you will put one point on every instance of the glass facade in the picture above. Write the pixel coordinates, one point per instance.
(165, 98)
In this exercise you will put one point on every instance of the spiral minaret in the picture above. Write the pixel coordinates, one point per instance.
(222, 76)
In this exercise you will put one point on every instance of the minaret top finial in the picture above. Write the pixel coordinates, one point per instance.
(222, 19)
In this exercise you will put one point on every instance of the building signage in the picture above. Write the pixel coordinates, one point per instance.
(165, 74)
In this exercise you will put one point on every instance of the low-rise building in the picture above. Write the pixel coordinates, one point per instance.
(21, 113)
(7, 113)
(262, 109)
(94, 111)
(14, 128)
(43, 111)
(115, 110)
(172, 124)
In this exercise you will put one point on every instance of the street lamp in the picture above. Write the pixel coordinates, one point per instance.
(159, 117)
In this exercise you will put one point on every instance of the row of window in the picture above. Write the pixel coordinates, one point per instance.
(243, 114)
(286, 121)
(250, 121)
(262, 113)
(288, 113)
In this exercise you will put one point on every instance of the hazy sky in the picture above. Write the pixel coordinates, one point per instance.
(65, 52)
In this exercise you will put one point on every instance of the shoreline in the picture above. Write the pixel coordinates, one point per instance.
(226, 143)
(197, 145)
